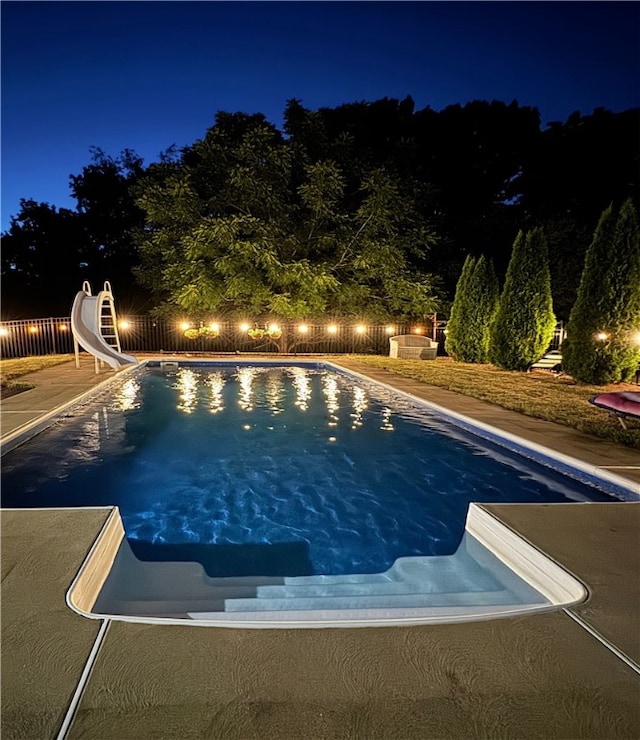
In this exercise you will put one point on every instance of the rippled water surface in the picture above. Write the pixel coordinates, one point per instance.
(276, 469)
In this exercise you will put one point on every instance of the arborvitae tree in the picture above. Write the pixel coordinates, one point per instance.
(602, 334)
(524, 321)
(473, 311)
(454, 343)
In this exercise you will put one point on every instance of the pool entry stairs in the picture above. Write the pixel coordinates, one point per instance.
(471, 577)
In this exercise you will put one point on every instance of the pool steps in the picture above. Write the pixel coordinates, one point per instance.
(177, 589)
(494, 572)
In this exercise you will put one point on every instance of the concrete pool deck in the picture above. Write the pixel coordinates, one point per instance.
(566, 674)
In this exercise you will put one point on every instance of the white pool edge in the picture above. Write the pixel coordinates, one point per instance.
(560, 588)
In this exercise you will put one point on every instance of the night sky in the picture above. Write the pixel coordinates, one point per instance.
(146, 75)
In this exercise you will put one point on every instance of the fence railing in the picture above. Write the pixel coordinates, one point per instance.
(145, 334)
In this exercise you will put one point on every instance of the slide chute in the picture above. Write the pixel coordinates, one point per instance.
(95, 329)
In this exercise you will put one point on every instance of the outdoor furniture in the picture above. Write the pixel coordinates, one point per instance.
(623, 404)
(551, 361)
(412, 347)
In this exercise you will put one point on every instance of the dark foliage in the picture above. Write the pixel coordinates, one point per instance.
(475, 173)
(473, 312)
(603, 334)
(524, 321)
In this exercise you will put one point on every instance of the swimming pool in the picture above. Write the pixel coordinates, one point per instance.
(273, 473)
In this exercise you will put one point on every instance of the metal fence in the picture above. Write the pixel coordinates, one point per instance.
(146, 334)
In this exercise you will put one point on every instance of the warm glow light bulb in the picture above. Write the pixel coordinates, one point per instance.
(332, 329)
(33, 329)
(389, 329)
(303, 328)
(274, 327)
(417, 330)
(63, 327)
(244, 327)
(4, 332)
(214, 327)
(125, 325)
(360, 329)
(601, 336)
(185, 325)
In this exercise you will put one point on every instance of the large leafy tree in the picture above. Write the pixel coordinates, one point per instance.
(524, 321)
(45, 258)
(473, 311)
(245, 222)
(47, 252)
(602, 335)
(109, 218)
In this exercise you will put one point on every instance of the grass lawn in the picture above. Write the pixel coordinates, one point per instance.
(539, 393)
(18, 367)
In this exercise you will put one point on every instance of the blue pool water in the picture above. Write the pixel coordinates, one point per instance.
(256, 470)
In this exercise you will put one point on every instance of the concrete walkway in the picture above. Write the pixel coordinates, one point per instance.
(566, 674)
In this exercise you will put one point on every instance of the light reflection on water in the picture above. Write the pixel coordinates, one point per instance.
(275, 393)
(246, 377)
(215, 383)
(187, 382)
(302, 384)
(361, 477)
(127, 397)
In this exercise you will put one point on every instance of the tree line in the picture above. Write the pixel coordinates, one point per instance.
(365, 210)
(513, 328)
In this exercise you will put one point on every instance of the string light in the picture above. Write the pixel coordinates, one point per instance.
(332, 329)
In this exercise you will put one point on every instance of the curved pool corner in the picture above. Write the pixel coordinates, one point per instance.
(494, 574)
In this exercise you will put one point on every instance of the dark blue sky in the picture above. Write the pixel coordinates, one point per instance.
(145, 75)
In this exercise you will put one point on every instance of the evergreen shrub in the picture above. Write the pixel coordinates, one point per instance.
(473, 311)
(602, 344)
(524, 322)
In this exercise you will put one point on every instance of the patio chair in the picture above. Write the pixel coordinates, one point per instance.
(412, 347)
(623, 404)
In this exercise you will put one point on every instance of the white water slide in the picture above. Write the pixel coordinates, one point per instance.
(95, 329)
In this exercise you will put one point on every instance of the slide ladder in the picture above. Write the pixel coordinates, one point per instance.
(95, 328)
